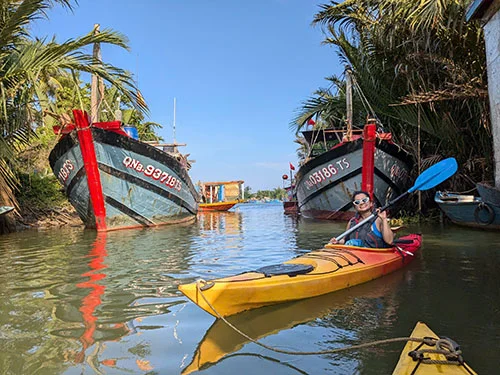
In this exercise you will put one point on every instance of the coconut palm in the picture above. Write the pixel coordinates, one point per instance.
(29, 74)
(420, 65)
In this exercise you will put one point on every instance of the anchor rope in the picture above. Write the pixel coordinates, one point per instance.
(427, 341)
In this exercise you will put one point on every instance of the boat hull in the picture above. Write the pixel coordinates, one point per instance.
(330, 269)
(140, 185)
(407, 366)
(469, 211)
(325, 184)
(217, 206)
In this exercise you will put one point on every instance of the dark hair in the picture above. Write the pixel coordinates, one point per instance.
(359, 192)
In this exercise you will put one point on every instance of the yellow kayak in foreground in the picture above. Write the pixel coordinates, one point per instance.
(318, 272)
(426, 362)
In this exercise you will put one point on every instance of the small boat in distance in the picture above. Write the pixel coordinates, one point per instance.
(221, 195)
(433, 356)
(116, 182)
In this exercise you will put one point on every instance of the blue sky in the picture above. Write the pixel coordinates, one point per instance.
(238, 70)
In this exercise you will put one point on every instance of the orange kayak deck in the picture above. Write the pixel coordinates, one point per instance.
(318, 272)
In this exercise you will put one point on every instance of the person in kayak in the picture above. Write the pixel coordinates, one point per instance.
(375, 233)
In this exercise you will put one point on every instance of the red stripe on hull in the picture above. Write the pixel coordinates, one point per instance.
(91, 168)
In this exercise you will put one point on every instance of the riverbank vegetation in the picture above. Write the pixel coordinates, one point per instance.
(419, 67)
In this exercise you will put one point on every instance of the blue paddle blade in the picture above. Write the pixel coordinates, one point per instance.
(434, 175)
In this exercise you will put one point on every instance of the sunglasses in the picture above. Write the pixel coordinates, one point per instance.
(357, 202)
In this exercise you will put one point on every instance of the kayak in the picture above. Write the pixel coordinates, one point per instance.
(220, 340)
(418, 366)
(318, 272)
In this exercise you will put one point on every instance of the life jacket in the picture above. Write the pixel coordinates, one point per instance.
(368, 233)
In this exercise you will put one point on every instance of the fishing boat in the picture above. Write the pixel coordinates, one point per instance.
(220, 196)
(469, 210)
(5, 209)
(349, 160)
(115, 181)
(290, 204)
(434, 355)
(318, 272)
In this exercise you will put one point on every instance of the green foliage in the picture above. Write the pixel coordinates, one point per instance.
(40, 192)
(39, 77)
(419, 65)
(277, 193)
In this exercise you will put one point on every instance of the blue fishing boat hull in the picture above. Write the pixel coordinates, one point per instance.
(469, 211)
(325, 184)
(141, 185)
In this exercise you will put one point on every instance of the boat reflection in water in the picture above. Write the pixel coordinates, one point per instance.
(124, 282)
(221, 340)
(220, 222)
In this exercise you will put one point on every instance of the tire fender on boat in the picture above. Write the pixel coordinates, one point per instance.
(489, 211)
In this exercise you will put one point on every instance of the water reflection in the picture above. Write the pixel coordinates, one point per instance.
(73, 302)
(337, 312)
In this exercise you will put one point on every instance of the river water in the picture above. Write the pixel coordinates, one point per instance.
(74, 302)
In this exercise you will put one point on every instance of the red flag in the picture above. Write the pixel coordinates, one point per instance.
(292, 167)
(311, 122)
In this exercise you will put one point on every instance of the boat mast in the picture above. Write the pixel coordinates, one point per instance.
(96, 87)
(174, 121)
(348, 95)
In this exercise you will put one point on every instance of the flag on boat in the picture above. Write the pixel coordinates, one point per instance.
(292, 167)
(311, 122)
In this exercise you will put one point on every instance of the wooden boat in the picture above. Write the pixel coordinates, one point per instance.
(290, 204)
(421, 358)
(468, 210)
(217, 206)
(489, 194)
(5, 209)
(221, 195)
(359, 160)
(319, 272)
(115, 181)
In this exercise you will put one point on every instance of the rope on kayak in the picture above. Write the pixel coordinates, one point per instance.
(426, 340)
(446, 347)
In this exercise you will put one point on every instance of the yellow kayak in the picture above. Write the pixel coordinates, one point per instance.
(427, 363)
(319, 272)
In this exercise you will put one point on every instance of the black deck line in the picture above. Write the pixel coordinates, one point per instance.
(128, 211)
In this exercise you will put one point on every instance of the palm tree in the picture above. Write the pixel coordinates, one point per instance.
(30, 72)
(420, 65)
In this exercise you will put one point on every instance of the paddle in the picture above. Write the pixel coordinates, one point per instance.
(429, 178)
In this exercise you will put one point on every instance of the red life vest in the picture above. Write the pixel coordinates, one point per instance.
(366, 233)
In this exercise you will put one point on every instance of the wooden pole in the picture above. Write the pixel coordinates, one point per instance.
(348, 95)
(95, 94)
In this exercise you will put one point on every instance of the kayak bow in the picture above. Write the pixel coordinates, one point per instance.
(318, 272)
(422, 359)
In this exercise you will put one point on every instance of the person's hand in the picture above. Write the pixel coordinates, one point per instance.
(381, 214)
(333, 241)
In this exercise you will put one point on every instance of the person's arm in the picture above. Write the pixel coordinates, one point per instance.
(342, 240)
(384, 227)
